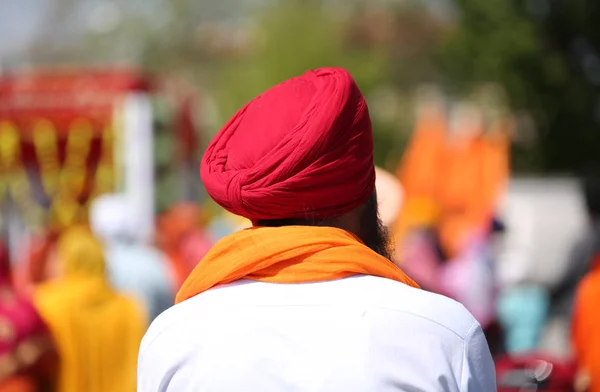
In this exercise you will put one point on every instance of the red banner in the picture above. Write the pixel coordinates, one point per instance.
(56, 136)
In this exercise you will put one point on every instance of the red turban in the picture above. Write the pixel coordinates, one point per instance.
(302, 149)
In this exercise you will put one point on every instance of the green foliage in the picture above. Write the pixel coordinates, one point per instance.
(291, 39)
(544, 53)
(530, 49)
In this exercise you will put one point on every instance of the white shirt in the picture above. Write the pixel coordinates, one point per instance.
(364, 334)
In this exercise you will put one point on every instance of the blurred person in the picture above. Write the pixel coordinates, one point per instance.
(469, 277)
(418, 251)
(134, 267)
(581, 258)
(97, 330)
(183, 239)
(586, 330)
(421, 168)
(583, 252)
(523, 313)
(475, 174)
(31, 268)
(307, 299)
(586, 323)
(522, 301)
(25, 342)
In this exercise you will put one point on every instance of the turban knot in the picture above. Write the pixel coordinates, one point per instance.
(303, 149)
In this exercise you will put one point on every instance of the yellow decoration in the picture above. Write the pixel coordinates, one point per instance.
(11, 166)
(104, 180)
(64, 211)
(10, 146)
(63, 183)
(74, 170)
(46, 147)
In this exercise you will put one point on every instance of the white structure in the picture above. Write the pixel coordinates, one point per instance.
(137, 157)
(543, 217)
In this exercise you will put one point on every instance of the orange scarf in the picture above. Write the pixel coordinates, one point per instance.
(293, 254)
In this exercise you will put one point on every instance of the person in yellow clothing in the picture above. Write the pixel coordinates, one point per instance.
(97, 330)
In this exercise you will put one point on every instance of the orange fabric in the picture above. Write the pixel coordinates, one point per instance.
(179, 220)
(476, 173)
(461, 173)
(454, 184)
(420, 171)
(18, 384)
(170, 231)
(495, 166)
(294, 254)
(460, 190)
(586, 326)
(174, 227)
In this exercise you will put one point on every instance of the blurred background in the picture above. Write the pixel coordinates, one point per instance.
(486, 117)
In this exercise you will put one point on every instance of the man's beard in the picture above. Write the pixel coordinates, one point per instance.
(372, 230)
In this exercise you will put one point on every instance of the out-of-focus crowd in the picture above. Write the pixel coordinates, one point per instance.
(460, 233)
(75, 302)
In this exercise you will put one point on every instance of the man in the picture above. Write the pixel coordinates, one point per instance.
(134, 267)
(307, 299)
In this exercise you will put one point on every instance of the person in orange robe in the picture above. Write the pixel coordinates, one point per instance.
(585, 263)
(476, 171)
(495, 167)
(460, 182)
(586, 331)
(97, 330)
(420, 171)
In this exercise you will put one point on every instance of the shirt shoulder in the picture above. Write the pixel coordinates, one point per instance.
(434, 308)
(294, 327)
(394, 299)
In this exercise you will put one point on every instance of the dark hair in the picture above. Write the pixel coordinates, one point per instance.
(372, 231)
(310, 219)
(294, 222)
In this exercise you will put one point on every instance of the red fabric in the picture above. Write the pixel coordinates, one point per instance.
(560, 379)
(186, 129)
(5, 268)
(302, 149)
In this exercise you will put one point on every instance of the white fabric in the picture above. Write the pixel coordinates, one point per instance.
(112, 218)
(363, 334)
(544, 217)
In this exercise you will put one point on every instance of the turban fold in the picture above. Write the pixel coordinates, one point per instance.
(302, 149)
